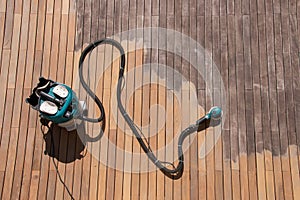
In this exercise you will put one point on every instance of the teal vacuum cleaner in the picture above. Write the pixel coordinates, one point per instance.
(58, 103)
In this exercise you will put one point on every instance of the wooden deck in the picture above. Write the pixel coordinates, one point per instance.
(255, 45)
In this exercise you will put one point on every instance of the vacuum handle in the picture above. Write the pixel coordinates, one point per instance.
(51, 98)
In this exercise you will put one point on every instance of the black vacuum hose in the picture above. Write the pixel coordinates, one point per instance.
(85, 52)
(175, 173)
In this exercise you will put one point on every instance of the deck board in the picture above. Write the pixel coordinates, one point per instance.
(254, 45)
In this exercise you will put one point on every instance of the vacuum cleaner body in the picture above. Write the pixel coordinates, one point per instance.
(57, 103)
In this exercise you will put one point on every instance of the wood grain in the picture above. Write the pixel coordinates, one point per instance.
(253, 44)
